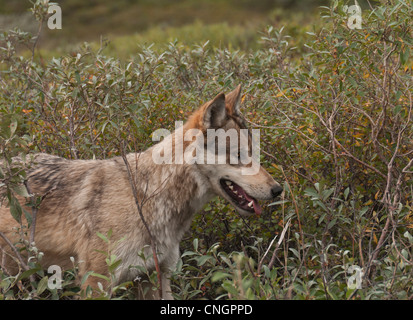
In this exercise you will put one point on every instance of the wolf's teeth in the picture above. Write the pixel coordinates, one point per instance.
(236, 192)
(231, 188)
(228, 182)
(251, 204)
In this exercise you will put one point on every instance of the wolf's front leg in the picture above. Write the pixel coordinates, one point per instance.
(166, 287)
(145, 290)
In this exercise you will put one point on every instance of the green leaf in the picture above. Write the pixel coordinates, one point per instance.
(28, 217)
(203, 259)
(278, 202)
(98, 275)
(15, 209)
(102, 236)
(346, 192)
(77, 75)
(325, 194)
(195, 244)
(404, 55)
(189, 253)
(311, 192)
(114, 265)
(104, 126)
(408, 236)
(42, 285)
(218, 276)
(21, 191)
(13, 127)
(28, 273)
(321, 219)
(295, 253)
(228, 286)
(332, 223)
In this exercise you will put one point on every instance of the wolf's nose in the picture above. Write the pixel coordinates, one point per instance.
(276, 191)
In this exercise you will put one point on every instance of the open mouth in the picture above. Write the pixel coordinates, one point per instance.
(240, 197)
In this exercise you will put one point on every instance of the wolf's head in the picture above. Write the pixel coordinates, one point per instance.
(230, 159)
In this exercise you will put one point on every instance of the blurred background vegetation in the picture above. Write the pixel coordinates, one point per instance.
(127, 25)
(130, 23)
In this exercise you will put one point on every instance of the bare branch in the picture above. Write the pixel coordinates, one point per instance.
(139, 206)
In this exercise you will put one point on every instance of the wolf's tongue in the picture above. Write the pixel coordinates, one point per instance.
(257, 207)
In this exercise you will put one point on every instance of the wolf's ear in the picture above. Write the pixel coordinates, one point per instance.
(233, 101)
(215, 113)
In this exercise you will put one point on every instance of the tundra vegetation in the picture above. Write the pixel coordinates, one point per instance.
(334, 109)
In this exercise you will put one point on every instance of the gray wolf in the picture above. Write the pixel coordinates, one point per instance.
(85, 197)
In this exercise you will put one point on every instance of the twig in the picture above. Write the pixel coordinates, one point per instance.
(297, 212)
(265, 254)
(34, 213)
(39, 31)
(33, 224)
(278, 244)
(139, 206)
(17, 253)
(248, 263)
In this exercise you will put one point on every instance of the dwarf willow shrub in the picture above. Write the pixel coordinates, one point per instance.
(336, 127)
